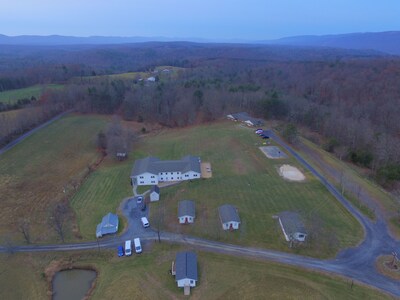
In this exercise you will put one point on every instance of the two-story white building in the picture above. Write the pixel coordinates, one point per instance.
(152, 170)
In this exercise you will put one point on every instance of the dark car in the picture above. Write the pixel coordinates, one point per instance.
(139, 200)
(265, 137)
(120, 251)
(143, 208)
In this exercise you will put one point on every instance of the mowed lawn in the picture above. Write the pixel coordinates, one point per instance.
(245, 178)
(36, 91)
(146, 276)
(242, 176)
(34, 173)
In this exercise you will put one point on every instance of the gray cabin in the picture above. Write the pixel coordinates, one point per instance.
(155, 193)
(185, 269)
(229, 217)
(292, 226)
(186, 211)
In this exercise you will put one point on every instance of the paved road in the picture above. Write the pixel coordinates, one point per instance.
(30, 132)
(354, 263)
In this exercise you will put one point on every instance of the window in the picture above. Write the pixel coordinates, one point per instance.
(186, 175)
(153, 177)
(162, 178)
(172, 178)
(172, 173)
(142, 182)
(191, 281)
(141, 177)
(153, 181)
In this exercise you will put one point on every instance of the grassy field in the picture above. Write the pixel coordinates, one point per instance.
(383, 201)
(146, 277)
(242, 176)
(13, 96)
(34, 173)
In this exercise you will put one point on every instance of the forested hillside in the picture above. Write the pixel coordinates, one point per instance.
(350, 97)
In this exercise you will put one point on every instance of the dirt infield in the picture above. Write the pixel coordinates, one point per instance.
(291, 173)
(273, 152)
(206, 171)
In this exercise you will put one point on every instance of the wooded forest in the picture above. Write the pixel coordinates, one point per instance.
(350, 97)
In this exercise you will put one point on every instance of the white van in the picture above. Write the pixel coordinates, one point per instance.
(128, 247)
(145, 222)
(138, 246)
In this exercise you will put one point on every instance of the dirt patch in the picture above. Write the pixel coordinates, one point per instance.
(273, 152)
(206, 171)
(239, 167)
(291, 173)
(386, 266)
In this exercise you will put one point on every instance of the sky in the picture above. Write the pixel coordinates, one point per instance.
(207, 19)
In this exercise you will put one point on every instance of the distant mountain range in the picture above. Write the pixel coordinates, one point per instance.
(387, 42)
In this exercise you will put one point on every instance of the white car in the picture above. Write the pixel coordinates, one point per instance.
(138, 246)
(145, 222)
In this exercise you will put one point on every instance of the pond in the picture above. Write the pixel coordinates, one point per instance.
(72, 284)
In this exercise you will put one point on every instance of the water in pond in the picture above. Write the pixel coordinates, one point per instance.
(72, 284)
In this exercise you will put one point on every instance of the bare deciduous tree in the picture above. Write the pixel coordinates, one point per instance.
(24, 226)
(58, 218)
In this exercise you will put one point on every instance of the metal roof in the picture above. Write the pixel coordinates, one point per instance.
(109, 224)
(186, 208)
(244, 116)
(228, 213)
(292, 223)
(186, 265)
(155, 166)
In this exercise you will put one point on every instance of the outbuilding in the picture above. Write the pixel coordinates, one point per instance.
(229, 217)
(155, 193)
(185, 269)
(186, 211)
(108, 225)
(292, 226)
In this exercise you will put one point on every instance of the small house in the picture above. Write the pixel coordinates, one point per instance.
(185, 269)
(108, 225)
(151, 79)
(186, 212)
(154, 193)
(229, 217)
(292, 226)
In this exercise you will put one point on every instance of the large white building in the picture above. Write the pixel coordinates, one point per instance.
(152, 170)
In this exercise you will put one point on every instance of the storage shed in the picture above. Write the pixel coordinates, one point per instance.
(108, 225)
(292, 226)
(185, 269)
(155, 193)
(186, 211)
(229, 217)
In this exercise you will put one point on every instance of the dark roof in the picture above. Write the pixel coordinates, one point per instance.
(155, 188)
(154, 165)
(186, 265)
(228, 213)
(291, 222)
(186, 208)
(244, 116)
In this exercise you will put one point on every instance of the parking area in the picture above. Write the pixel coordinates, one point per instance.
(273, 152)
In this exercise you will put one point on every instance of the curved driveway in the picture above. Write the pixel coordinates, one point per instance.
(354, 263)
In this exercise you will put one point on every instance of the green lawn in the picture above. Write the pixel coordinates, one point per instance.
(242, 176)
(34, 173)
(146, 277)
(13, 96)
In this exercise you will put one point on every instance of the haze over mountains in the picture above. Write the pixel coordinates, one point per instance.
(387, 42)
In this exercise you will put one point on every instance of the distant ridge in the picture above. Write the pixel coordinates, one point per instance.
(388, 42)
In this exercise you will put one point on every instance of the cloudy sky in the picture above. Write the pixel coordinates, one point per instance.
(211, 19)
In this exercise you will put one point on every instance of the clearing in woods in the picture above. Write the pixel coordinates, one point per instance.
(255, 189)
(12, 96)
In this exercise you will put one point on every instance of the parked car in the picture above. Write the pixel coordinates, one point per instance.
(138, 246)
(128, 247)
(120, 251)
(143, 208)
(145, 222)
(265, 137)
(259, 131)
(139, 200)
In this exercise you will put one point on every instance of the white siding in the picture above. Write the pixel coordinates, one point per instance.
(191, 175)
(146, 179)
(182, 220)
(186, 281)
(154, 196)
(227, 225)
(169, 176)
